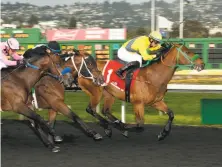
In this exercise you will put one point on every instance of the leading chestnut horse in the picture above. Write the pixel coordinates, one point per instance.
(148, 85)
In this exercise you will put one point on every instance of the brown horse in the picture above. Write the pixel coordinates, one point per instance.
(148, 86)
(50, 93)
(17, 83)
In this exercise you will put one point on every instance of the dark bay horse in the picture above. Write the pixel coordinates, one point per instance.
(150, 85)
(50, 93)
(17, 83)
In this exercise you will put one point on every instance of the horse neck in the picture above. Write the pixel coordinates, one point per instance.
(30, 77)
(161, 73)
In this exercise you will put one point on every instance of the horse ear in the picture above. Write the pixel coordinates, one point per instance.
(76, 51)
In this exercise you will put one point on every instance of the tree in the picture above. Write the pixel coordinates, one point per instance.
(132, 32)
(72, 22)
(218, 34)
(6, 20)
(33, 20)
(18, 20)
(106, 6)
(192, 29)
(141, 31)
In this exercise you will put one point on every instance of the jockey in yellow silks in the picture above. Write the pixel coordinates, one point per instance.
(137, 49)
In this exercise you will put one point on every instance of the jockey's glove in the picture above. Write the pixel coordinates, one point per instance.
(21, 62)
(148, 57)
(154, 56)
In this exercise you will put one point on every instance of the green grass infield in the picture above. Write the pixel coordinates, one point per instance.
(186, 107)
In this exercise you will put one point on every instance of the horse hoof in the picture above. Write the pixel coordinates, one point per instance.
(97, 137)
(58, 139)
(108, 132)
(125, 134)
(161, 136)
(139, 129)
(55, 149)
(32, 124)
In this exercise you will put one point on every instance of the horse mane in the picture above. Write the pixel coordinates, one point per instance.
(160, 53)
(35, 52)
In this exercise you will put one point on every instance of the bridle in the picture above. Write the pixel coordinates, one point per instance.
(181, 53)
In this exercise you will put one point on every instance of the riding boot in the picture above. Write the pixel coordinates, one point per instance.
(128, 66)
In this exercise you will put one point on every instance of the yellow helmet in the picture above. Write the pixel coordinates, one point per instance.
(156, 35)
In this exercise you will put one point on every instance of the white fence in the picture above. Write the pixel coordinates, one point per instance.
(195, 88)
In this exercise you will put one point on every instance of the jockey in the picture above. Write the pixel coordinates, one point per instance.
(137, 49)
(9, 48)
(53, 46)
(55, 49)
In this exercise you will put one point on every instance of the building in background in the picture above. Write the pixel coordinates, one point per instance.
(163, 25)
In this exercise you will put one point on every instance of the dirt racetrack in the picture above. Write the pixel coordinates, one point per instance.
(186, 146)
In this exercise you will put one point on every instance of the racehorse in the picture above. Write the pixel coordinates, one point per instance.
(145, 86)
(50, 94)
(16, 84)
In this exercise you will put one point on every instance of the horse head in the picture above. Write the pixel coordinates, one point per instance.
(83, 65)
(176, 55)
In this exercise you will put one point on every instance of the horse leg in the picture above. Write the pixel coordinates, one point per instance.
(63, 108)
(52, 119)
(161, 106)
(102, 121)
(95, 94)
(139, 113)
(35, 126)
(106, 111)
(40, 126)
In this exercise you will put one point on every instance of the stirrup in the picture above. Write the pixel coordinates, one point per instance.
(120, 75)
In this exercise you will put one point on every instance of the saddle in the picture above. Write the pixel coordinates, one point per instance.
(128, 79)
(130, 73)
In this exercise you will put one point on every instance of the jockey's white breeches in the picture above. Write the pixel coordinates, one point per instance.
(127, 56)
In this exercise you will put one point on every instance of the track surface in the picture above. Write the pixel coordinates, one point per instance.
(186, 146)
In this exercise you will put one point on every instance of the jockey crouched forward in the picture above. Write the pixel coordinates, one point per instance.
(8, 49)
(55, 49)
(136, 50)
